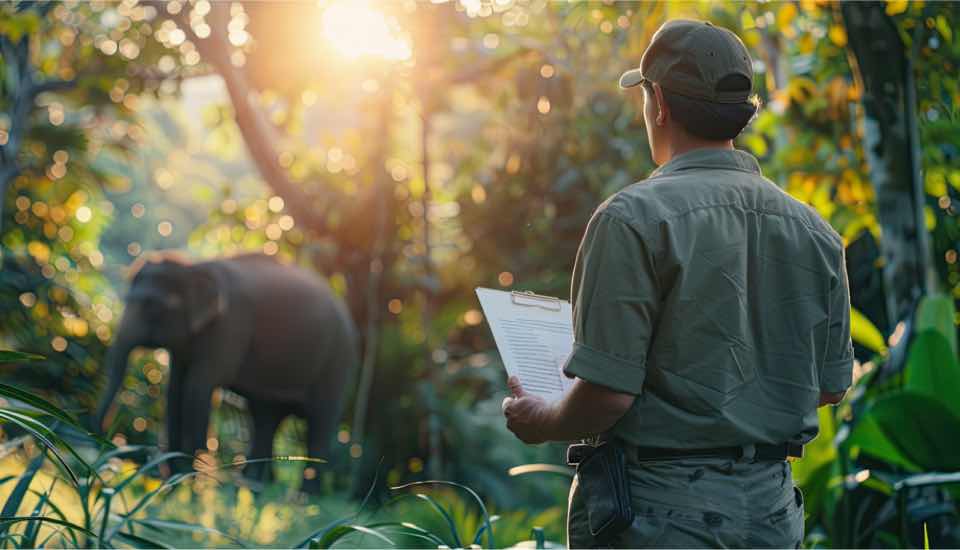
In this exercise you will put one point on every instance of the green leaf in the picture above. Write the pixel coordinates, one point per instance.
(12, 504)
(7, 356)
(33, 528)
(334, 535)
(446, 517)
(933, 369)
(39, 403)
(171, 525)
(865, 333)
(6, 521)
(911, 430)
(140, 542)
(45, 437)
(483, 509)
(936, 312)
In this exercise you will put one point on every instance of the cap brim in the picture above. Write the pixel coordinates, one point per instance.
(631, 78)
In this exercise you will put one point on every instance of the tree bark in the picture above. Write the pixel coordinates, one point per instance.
(884, 74)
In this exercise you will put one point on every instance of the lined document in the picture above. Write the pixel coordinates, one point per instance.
(534, 335)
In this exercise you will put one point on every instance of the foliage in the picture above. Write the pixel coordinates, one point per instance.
(893, 436)
(141, 148)
(111, 500)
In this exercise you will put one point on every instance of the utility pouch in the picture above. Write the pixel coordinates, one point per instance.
(604, 486)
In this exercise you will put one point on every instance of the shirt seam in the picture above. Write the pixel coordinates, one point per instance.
(707, 166)
(643, 228)
(606, 355)
(651, 255)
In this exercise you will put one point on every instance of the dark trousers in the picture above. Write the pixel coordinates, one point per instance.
(702, 503)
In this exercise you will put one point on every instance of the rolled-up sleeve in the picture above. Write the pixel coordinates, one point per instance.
(837, 372)
(615, 299)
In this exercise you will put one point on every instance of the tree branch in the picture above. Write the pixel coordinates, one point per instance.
(258, 133)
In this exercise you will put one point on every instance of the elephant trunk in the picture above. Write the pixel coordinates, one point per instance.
(116, 362)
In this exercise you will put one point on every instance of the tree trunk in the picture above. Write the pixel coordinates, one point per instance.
(884, 73)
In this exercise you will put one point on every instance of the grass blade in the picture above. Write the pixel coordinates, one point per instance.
(43, 434)
(12, 504)
(341, 531)
(322, 532)
(468, 490)
(172, 481)
(160, 525)
(39, 403)
(483, 529)
(410, 529)
(118, 452)
(7, 521)
(146, 467)
(59, 513)
(140, 542)
(446, 517)
(7, 356)
(33, 528)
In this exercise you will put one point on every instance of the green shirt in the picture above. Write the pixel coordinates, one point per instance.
(717, 299)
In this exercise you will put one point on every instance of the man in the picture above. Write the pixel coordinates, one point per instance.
(711, 319)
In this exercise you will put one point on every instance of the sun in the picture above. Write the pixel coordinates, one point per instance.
(355, 28)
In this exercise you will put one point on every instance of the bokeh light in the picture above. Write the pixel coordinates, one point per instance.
(354, 28)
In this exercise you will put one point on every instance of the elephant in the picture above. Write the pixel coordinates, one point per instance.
(273, 333)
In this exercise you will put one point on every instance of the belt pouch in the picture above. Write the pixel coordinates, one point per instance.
(605, 489)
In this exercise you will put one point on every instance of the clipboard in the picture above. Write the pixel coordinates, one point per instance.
(534, 336)
(525, 298)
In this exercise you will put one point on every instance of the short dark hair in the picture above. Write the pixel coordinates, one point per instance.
(714, 121)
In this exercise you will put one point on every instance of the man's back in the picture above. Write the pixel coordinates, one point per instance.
(750, 287)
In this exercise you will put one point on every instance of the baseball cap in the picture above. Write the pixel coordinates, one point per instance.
(691, 58)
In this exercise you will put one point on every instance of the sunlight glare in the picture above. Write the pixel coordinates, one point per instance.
(355, 29)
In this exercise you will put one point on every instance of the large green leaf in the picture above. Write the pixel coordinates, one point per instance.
(911, 430)
(865, 333)
(933, 369)
(868, 438)
(937, 313)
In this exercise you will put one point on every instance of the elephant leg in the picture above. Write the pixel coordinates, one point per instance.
(266, 418)
(195, 417)
(174, 414)
(323, 415)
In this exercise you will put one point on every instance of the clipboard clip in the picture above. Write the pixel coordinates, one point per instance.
(525, 298)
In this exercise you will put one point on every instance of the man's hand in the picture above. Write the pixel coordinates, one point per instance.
(828, 398)
(528, 416)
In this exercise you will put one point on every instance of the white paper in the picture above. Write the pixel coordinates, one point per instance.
(534, 338)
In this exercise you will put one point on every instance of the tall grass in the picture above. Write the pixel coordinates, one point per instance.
(95, 496)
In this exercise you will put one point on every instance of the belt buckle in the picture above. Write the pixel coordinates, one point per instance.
(748, 453)
(578, 452)
(794, 452)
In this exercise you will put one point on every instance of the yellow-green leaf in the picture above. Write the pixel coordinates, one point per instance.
(944, 27)
(838, 35)
(896, 6)
(865, 333)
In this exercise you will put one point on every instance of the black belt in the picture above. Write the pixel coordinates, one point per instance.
(754, 453)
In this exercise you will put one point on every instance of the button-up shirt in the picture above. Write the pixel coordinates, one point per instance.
(716, 298)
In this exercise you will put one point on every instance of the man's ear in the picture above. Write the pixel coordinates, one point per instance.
(663, 110)
(206, 297)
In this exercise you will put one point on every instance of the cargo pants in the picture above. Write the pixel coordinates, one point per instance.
(702, 503)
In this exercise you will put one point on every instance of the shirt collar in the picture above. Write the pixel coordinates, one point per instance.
(730, 159)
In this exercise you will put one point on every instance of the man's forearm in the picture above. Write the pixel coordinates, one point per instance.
(587, 409)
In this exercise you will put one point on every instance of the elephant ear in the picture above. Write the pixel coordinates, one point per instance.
(206, 297)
